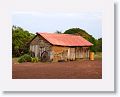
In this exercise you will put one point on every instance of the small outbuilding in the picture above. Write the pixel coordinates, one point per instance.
(59, 47)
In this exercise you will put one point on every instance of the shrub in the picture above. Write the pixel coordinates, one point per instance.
(24, 58)
(34, 59)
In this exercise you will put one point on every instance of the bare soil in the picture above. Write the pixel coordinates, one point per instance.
(80, 69)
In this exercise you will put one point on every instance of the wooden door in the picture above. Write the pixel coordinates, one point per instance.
(72, 53)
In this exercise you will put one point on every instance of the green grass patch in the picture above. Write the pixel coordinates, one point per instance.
(15, 60)
(98, 55)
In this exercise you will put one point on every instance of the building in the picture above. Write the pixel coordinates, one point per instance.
(59, 47)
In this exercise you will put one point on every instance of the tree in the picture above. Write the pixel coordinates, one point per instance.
(99, 45)
(20, 40)
(58, 32)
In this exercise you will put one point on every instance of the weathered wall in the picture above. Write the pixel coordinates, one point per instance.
(82, 52)
(39, 45)
(72, 53)
(59, 53)
(69, 53)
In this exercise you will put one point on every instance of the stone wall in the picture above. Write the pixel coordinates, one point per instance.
(59, 53)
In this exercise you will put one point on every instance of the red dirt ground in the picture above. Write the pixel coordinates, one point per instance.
(81, 69)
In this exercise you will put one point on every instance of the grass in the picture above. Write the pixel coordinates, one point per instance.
(98, 55)
(15, 60)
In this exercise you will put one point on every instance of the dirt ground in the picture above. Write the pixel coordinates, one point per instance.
(80, 69)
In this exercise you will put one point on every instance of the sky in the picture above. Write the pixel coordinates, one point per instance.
(52, 22)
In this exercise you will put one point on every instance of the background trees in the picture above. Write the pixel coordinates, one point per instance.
(99, 45)
(20, 41)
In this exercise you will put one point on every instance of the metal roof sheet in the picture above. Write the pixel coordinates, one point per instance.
(65, 39)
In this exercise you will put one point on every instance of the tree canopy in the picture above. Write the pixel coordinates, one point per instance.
(20, 41)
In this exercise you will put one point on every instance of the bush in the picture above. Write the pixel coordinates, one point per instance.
(34, 59)
(24, 58)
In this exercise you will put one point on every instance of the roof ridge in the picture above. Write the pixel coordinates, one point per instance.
(56, 33)
(65, 39)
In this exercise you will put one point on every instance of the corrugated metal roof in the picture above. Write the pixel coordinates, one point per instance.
(65, 39)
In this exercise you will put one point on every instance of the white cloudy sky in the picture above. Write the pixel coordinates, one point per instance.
(50, 22)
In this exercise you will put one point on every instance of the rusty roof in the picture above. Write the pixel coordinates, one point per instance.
(65, 39)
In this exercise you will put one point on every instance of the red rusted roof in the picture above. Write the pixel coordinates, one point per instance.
(65, 39)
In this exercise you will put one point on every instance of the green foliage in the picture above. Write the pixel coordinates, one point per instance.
(24, 58)
(34, 59)
(78, 31)
(20, 41)
(27, 58)
(97, 44)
